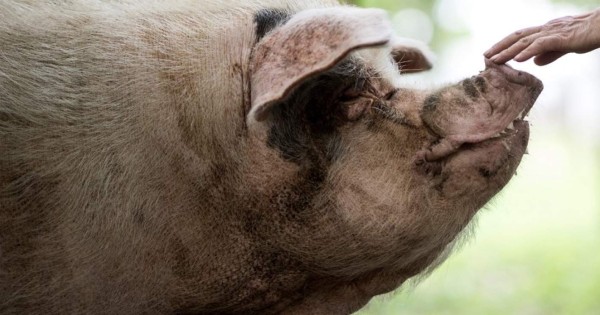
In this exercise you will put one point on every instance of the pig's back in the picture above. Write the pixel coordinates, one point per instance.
(91, 105)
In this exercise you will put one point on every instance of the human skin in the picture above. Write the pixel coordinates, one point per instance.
(546, 43)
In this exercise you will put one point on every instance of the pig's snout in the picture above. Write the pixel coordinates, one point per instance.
(515, 76)
(481, 108)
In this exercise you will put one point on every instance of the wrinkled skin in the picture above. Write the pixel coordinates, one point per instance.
(304, 181)
(548, 42)
(470, 120)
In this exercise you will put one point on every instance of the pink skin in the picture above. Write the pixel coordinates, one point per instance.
(548, 42)
(510, 93)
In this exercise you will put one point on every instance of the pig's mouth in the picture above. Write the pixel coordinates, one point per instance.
(487, 126)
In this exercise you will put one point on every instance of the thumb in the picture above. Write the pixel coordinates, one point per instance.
(547, 58)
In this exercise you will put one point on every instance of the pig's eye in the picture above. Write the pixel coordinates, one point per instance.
(355, 109)
(353, 91)
(390, 94)
(350, 94)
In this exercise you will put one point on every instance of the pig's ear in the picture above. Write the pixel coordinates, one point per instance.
(311, 42)
(411, 55)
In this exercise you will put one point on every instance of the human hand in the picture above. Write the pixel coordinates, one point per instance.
(548, 42)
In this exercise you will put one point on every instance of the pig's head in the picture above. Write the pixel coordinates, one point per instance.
(355, 175)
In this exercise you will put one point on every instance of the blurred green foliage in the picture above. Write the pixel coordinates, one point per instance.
(584, 3)
(442, 36)
(394, 5)
(427, 6)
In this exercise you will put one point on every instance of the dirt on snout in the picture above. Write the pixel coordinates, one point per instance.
(479, 108)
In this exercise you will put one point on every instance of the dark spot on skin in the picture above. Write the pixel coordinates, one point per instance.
(26, 234)
(268, 19)
(15, 120)
(470, 88)
(434, 168)
(270, 281)
(138, 216)
(288, 137)
(486, 173)
(439, 186)
(306, 123)
(429, 168)
(5, 117)
(236, 70)
(187, 133)
(431, 102)
(219, 173)
(290, 202)
(180, 259)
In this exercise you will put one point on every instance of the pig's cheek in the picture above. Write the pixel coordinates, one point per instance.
(461, 182)
(459, 179)
(410, 112)
(522, 94)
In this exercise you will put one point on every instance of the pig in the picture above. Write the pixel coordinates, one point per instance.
(234, 157)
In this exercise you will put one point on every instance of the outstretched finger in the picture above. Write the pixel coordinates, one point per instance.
(539, 46)
(510, 40)
(516, 49)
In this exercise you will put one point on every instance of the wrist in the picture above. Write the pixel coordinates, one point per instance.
(594, 28)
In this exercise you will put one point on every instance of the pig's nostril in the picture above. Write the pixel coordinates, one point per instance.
(391, 94)
(480, 83)
(470, 88)
(431, 102)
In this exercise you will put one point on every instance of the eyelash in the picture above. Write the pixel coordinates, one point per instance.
(390, 94)
(379, 106)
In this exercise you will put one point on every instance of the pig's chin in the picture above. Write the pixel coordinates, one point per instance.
(480, 170)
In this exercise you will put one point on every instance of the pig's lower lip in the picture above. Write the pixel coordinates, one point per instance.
(491, 155)
(487, 158)
(518, 128)
(488, 164)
